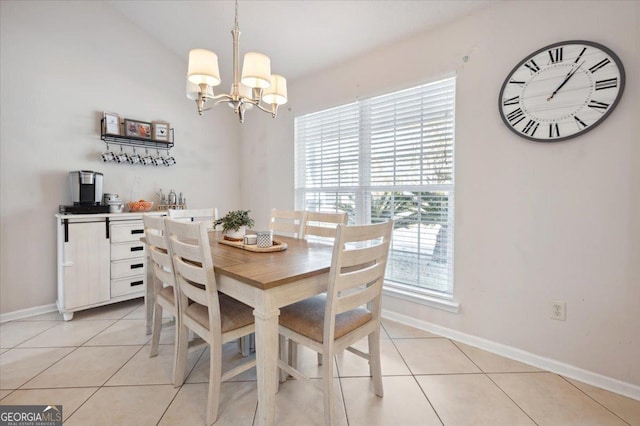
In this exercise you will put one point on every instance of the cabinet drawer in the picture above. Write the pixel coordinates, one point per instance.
(130, 231)
(128, 250)
(128, 267)
(128, 285)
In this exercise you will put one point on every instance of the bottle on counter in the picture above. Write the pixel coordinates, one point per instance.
(180, 199)
(172, 197)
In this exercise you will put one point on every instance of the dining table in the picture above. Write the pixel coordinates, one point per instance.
(267, 281)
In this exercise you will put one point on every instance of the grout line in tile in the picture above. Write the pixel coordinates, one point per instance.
(509, 396)
(32, 337)
(401, 357)
(123, 364)
(428, 400)
(12, 391)
(592, 398)
(83, 402)
(169, 404)
(21, 387)
(344, 401)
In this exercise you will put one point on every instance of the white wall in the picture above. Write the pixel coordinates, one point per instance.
(534, 222)
(62, 64)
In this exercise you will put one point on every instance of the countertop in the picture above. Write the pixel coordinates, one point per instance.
(111, 216)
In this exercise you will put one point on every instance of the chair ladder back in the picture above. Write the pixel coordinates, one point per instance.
(192, 261)
(156, 240)
(158, 249)
(186, 250)
(160, 257)
(163, 275)
(192, 215)
(193, 272)
(287, 222)
(361, 281)
(322, 224)
(192, 291)
(364, 255)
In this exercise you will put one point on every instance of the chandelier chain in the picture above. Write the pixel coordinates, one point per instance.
(236, 23)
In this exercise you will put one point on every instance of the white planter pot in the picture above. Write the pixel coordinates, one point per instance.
(238, 235)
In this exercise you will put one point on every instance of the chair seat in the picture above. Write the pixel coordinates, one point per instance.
(233, 313)
(307, 318)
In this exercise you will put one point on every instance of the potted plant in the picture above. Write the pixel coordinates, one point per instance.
(234, 224)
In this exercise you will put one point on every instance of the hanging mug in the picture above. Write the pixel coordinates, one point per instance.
(107, 156)
(122, 157)
(147, 160)
(135, 158)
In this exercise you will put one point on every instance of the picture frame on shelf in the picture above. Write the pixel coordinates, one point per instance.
(111, 123)
(160, 131)
(137, 129)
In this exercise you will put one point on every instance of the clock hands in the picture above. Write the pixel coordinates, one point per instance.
(567, 78)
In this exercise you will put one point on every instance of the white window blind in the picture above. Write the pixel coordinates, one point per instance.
(388, 157)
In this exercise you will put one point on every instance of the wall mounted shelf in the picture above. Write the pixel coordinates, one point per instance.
(133, 140)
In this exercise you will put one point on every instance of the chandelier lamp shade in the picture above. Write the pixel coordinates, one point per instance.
(256, 86)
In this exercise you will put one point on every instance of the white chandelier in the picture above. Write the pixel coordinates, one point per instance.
(256, 86)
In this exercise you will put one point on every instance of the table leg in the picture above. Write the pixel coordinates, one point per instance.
(267, 368)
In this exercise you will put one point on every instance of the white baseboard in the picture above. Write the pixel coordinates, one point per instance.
(570, 371)
(26, 313)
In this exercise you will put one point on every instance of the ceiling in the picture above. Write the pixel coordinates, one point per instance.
(300, 36)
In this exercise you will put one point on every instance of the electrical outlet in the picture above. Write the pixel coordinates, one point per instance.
(558, 310)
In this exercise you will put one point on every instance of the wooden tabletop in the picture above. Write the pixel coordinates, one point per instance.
(268, 270)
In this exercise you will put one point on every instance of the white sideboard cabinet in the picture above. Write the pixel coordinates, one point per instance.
(101, 260)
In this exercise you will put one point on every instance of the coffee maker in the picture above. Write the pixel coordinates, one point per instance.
(86, 193)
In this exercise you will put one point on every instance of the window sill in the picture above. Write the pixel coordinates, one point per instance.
(421, 297)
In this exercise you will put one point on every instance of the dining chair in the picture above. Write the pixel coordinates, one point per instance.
(287, 222)
(245, 345)
(194, 215)
(163, 281)
(349, 311)
(213, 316)
(323, 225)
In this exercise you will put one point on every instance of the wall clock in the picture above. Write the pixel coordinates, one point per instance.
(561, 91)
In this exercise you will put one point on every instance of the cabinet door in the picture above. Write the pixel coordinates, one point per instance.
(86, 265)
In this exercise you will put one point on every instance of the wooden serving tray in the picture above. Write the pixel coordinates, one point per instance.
(277, 246)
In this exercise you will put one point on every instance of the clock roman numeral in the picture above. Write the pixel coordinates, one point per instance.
(531, 126)
(511, 101)
(581, 124)
(607, 84)
(555, 55)
(521, 83)
(599, 65)
(597, 105)
(554, 131)
(580, 55)
(533, 67)
(515, 116)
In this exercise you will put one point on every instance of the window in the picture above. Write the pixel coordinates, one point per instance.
(388, 157)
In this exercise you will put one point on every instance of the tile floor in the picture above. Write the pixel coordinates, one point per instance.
(98, 367)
